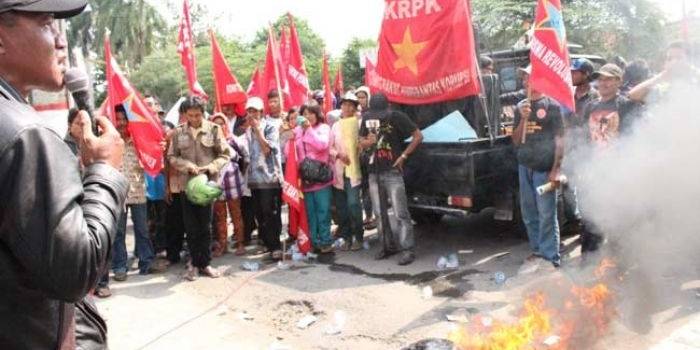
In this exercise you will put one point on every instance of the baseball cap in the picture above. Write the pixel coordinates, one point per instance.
(582, 65)
(59, 8)
(608, 70)
(254, 103)
(350, 96)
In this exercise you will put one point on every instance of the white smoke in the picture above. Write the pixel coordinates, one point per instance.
(643, 193)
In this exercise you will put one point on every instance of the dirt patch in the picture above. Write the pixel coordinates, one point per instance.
(286, 314)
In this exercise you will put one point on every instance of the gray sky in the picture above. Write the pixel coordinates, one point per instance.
(336, 21)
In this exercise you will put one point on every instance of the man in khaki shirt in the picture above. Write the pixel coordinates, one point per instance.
(197, 147)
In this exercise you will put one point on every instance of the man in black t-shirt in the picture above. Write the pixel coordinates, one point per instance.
(603, 122)
(383, 132)
(538, 138)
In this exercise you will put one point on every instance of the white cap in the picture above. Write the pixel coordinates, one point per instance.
(350, 96)
(255, 103)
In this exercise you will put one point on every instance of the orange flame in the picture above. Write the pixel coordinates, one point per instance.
(539, 326)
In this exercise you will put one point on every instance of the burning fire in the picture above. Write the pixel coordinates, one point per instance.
(547, 322)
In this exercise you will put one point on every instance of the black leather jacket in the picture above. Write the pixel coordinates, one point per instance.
(56, 230)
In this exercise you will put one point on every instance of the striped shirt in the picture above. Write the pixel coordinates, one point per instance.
(232, 181)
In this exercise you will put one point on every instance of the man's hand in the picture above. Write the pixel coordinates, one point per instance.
(192, 169)
(398, 164)
(525, 110)
(555, 177)
(108, 147)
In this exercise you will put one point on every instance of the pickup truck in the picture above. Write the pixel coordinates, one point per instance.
(467, 174)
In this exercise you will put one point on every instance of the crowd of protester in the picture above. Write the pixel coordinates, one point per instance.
(360, 144)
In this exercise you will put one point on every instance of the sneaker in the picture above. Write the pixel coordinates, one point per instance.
(383, 254)
(357, 245)
(406, 258)
(103, 292)
(158, 266)
(120, 276)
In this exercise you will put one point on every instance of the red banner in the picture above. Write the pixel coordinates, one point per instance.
(292, 195)
(297, 78)
(338, 83)
(426, 52)
(255, 85)
(228, 90)
(272, 77)
(326, 80)
(144, 127)
(186, 51)
(549, 54)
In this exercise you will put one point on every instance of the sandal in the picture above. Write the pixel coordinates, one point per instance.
(277, 255)
(103, 292)
(240, 251)
(191, 273)
(210, 272)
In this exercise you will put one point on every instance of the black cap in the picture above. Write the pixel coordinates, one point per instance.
(583, 65)
(59, 8)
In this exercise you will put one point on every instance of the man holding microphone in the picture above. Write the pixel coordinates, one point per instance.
(56, 229)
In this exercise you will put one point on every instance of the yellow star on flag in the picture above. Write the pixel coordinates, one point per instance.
(407, 52)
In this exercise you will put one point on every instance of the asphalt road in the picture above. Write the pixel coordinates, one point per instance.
(356, 302)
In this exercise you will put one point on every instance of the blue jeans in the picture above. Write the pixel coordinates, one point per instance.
(143, 248)
(349, 211)
(539, 214)
(318, 211)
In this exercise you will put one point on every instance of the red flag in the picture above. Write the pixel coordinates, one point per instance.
(292, 195)
(418, 61)
(272, 78)
(549, 55)
(228, 90)
(327, 93)
(370, 72)
(255, 85)
(297, 78)
(186, 51)
(144, 127)
(338, 83)
(285, 49)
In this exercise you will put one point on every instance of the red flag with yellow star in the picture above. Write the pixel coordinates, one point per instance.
(144, 127)
(549, 54)
(426, 52)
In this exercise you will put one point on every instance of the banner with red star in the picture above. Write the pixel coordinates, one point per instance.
(549, 54)
(426, 52)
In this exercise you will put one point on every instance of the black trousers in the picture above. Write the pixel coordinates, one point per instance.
(157, 211)
(268, 214)
(175, 228)
(248, 212)
(197, 220)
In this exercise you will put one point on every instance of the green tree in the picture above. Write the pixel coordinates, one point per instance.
(353, 75)
(627, 27)
(312, 46)
(137, 29)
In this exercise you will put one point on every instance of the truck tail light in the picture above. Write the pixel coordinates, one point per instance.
(460, 201)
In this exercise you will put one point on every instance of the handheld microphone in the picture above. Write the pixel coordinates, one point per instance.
(78, 84)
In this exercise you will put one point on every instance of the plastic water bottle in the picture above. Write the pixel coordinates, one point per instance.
(499, 277)
(452, 261)
(250, 266)
(549, 186)
(441, 263)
